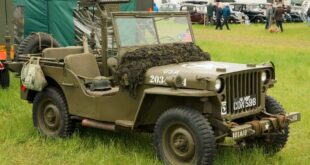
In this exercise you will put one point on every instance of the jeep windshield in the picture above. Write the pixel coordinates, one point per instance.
(151, 29)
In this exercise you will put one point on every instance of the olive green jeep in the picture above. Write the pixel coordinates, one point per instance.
(153, 78)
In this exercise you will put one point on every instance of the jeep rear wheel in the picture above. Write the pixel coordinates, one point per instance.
(4, 78)
(50, 113)
(184, 136)
(275, 142)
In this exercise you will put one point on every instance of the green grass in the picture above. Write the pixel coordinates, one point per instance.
(290, 51)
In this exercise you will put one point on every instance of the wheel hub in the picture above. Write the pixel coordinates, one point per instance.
(181, 143)
(51, 116)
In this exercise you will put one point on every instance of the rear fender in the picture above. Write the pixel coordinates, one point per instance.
(29, 95)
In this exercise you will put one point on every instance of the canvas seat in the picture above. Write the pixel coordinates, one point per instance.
(61, 53)
(86, 68)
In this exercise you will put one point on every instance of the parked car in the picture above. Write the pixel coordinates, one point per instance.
(237, 16)
(253, 11)
(197, 12)
(292, 17)
(195, 2)
(169, 7)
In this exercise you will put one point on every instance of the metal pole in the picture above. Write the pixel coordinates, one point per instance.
(7, 36)
(104, 38)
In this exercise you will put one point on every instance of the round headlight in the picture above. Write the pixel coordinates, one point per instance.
(218, 84)
(264, 77)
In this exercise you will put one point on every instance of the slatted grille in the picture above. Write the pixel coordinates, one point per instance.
(241, 85)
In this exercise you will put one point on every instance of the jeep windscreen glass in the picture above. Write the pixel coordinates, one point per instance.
(139, 31)
(136, 31)
(173, 29)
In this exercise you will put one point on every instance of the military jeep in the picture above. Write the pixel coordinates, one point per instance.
(154, 78)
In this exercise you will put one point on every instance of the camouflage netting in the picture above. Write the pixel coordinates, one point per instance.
(134, 64)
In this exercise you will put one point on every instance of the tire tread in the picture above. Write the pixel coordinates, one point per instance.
(206, 134)
(54, 92)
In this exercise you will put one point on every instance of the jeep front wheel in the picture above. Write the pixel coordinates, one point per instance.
(50, 113)
(184, 136)
(276, 142)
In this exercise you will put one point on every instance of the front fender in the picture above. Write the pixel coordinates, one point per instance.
(233, 17)
(156, 100)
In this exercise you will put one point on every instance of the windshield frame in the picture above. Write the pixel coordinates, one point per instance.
(153, 15)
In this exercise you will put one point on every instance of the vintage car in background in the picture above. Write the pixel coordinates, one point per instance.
(198, 13)
(169, 7)
(292, 17)
(253, 11)
(237, 17)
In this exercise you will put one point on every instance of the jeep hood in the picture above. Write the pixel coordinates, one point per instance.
(193, 73)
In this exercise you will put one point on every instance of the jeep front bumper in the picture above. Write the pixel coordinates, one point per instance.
(267, 125)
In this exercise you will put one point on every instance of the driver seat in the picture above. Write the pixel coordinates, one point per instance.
(85, 67)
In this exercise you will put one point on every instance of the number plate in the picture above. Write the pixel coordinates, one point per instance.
(245, 102)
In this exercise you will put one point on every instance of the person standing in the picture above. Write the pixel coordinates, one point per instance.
(278, 15)
(210, 11)
(218, 15)
(308, 16)
(269, 16)
(155, 8)
(226, 14)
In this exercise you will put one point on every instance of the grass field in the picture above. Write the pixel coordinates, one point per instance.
(290, 51)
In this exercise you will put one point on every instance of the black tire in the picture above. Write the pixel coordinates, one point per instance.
(232, 21)
(191, 137)
(31, 44)
(50, 113)
(259, 20)
(276, 142)
(4, 78)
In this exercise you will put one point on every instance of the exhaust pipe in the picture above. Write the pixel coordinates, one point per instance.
(99, 125)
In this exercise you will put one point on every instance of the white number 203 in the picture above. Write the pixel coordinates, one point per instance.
(157, 79)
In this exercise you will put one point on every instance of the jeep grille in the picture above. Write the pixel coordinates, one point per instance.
(241, 85)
